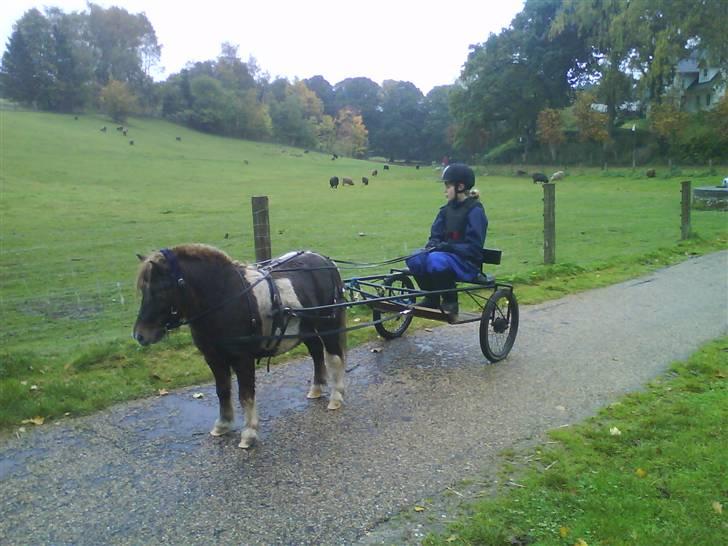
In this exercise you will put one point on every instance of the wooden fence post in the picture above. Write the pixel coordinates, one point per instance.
(261, 228)
(549, 224)
(685, 210)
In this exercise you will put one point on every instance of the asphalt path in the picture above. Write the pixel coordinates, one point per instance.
(419, 417)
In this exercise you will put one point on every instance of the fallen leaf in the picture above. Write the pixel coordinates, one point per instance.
(452, 538)
(580, 542)
(357, 320)
(21, 429)
(614, 431)
(24, 383)
(641, 472)
(377, 350)
(428, 329)
(198, 395)
(37, 420)
(563, 532)
(419, 508)
(34, 387)
(718, 507)
(162, 392)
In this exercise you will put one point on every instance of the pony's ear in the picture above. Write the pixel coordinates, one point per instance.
(141, 258)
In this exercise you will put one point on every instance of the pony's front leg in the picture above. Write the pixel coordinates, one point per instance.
(221, 371)
(245, 371)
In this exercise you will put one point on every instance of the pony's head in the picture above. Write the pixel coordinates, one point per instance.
(159, 291)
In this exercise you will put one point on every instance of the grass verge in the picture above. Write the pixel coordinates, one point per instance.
(648, 469)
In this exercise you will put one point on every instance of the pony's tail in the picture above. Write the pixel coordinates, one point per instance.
(475, 193)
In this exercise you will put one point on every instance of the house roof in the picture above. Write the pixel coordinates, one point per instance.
(705, 86)
(688, 65)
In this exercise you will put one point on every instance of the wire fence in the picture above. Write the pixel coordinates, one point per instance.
(78, 287)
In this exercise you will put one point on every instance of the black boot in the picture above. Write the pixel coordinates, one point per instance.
(450, 304)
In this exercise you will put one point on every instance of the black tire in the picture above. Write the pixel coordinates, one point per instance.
(499, 324)
(394, 328)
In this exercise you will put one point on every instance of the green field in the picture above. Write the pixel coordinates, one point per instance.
(77, 204)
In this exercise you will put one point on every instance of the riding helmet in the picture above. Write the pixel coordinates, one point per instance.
(456, 173)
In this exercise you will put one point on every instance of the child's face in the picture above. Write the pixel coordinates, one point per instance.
(450, 191)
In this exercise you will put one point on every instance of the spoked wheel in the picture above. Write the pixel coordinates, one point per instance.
(394, 328)
(499, 325)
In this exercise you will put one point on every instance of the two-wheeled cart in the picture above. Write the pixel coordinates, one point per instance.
(393, 300)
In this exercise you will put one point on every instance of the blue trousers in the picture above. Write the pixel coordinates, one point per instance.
(440, 270)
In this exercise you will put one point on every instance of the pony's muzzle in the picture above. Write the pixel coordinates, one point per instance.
(144, 336)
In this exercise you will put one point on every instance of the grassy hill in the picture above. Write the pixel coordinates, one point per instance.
(76, 204)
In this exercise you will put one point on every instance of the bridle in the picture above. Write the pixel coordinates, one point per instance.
(178, 280)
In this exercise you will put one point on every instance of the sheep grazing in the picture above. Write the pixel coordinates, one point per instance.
(131, 143)
(539, 177)
(347, 182)
(375, 172)
(178, 139)
(521, 172)
(651, 173)
(417, 167)
(334, 156)
(334, 182)
(365, 180)
(558, 175)
(386, 167)
(124, 131)
(103, 129)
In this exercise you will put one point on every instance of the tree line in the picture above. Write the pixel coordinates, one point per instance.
(527, 93)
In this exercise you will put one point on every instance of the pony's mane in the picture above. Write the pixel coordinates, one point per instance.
(192, 251)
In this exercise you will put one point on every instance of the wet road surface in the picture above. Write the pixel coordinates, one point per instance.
(422, 414)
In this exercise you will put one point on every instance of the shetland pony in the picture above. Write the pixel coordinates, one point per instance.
(238, 313)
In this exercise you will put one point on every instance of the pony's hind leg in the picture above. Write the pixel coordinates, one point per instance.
(316, 349)
(245, 371)
(221, 371)
(335, 357)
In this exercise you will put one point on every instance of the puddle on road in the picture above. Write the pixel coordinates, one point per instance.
(177, 423)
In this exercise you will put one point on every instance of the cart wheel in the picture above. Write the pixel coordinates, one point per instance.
(499, 325)
(394, 328)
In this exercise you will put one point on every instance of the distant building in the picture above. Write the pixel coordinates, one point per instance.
(699, 86)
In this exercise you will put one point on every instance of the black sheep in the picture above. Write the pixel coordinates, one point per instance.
(540, 177)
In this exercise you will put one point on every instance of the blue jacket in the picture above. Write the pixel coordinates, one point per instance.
(472, 239)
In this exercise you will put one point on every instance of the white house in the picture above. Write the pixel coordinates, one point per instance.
(700, 86)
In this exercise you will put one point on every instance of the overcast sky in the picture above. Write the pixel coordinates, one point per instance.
(425, 43)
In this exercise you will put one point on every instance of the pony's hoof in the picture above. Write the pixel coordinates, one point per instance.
(334, 404)
(248, 440)
(220, 428)
(314, 392)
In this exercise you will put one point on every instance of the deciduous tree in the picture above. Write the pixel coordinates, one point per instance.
(117, 101)
(550, 130)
